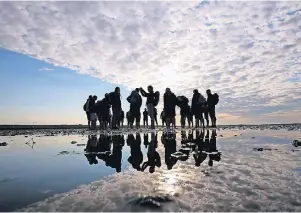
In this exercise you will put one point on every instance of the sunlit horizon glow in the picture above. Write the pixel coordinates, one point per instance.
(247, 52)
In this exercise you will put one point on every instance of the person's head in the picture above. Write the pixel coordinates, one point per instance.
(210, 162)
(151, 169)
(137, 90)
(169, 166)
(145, 109)
(106, 95)
(167, 90)
(90, 97)
(117, 89)
(195, 91)
(208, 91)
(150, 88)
(94, 97)
(197, 163)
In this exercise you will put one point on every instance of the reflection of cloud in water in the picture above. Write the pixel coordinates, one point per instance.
(243, 181)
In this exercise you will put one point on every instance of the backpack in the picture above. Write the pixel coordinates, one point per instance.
(182, 100)
(201, 99)
(156, 98)
(215, 98)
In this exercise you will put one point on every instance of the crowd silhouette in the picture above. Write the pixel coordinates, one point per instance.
(198, 144)
(108, 110)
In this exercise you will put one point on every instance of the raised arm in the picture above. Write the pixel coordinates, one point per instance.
(143, 93)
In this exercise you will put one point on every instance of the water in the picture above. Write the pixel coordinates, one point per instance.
(189, 170)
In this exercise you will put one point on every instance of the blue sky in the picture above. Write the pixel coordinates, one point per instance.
(54, 54)
(55, 95)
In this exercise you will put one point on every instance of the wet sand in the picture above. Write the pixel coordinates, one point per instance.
(61, 170)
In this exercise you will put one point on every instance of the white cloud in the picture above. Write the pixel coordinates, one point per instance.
(45, 69)
(248, 52)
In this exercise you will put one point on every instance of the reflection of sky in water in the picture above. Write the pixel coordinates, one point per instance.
(241, 180)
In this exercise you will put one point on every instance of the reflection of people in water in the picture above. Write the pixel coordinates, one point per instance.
(170, 144)
(114, 160)
(90, 149)
(136, 157)
(152, 155)
(145, 140)
(199, 155)
(214, 155)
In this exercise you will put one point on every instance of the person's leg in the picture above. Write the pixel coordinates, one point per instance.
(202, 120)
(182, 121)
(150, 109)
(89, 119)
(167, 122)
(212, 116)
(206, 115)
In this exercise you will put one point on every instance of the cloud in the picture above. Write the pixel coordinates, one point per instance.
(245, 51)
(45, 69)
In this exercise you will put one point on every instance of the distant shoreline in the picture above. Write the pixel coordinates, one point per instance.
(78, 126)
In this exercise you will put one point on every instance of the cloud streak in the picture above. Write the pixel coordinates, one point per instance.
(248, 52)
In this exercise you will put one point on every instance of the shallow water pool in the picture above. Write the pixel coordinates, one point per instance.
(185, 170)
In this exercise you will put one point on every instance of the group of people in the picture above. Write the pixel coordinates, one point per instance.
(109, 149)
(200, 108)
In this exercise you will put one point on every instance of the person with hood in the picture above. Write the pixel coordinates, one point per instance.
(150, 103)
(162, 116)
(87, 109)
(115, 100)
(170, 101)
(135, 101)
(121, 118)
(197, 103)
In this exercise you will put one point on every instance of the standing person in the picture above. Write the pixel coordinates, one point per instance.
(185, 109)
(135, 101)
(121, 118)
(212, 100)
(162, 116)
(103, 111)
(87, 110)
(151, 102)
(145, 118)
(110, 119)
(170, 101)
(197, 107)
(155, 116)
(93, 114)
(128, 118)
(115, 99)
(190, 118)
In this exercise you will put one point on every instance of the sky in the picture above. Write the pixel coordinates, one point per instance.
(54, 54)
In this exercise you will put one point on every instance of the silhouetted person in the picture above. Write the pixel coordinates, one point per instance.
(190, 118)
(145, 118)
(87, 108)
(155, 116)
(121, 118)
(136, 157)
(170, 101)
(182, 102)
(151, 102)
(91, 149)
(170, 145)
(93, 114)
(103, 110)
(145, 140)
(115, 100)
(197, 103)
(162, 116)
(212, 100)
(135, 101)
(128, 118)
(152, 155)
